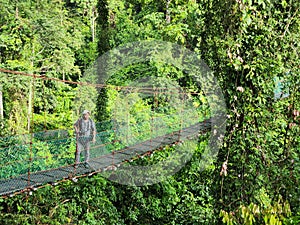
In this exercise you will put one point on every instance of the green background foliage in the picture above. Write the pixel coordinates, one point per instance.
(249, 44)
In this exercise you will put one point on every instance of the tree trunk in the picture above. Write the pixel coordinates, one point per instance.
(29, 108)
(168, 16)
(1, 104)
(17, 13)
(93, 23)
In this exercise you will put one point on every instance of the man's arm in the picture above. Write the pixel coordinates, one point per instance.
(94, 136)
(94, 131)
(76, 127)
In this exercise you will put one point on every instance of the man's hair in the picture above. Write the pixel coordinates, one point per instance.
(85, 112)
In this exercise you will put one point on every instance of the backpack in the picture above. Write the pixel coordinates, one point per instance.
(88, 128)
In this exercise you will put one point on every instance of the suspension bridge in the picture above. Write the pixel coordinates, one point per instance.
(35, 159)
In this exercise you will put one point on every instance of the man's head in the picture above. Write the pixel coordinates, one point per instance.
(86, 114)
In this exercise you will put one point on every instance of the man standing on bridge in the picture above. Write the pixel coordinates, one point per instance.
(85, 133)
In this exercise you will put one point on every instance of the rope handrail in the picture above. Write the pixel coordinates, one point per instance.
(151, 89)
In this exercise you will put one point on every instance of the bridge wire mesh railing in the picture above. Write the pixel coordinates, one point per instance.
(50, 150)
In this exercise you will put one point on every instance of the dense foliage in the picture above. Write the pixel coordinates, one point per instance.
(249, 44)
